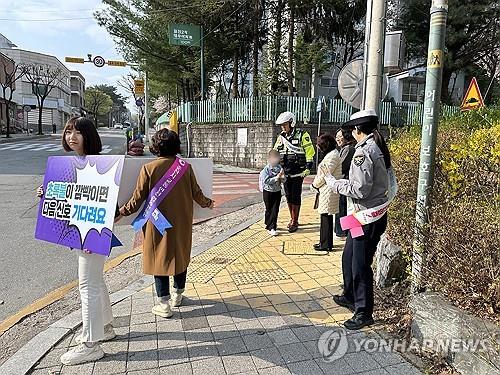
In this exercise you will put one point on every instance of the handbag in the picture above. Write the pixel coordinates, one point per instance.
(316, 199)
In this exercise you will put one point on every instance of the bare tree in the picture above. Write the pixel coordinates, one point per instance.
(43, 79)
(9, 74)
(127, 83)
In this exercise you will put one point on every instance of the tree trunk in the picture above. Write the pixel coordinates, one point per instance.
(234, 88)
(188, 90)
(291, 38)
(275, 63)
(40, 110)
(7, 133)
(445, 94)
(255, 60)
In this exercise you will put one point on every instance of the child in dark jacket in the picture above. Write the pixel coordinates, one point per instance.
(270, 181)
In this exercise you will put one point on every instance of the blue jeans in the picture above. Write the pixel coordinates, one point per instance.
(162, 284)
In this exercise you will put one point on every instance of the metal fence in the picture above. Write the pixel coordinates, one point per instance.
(267, 108)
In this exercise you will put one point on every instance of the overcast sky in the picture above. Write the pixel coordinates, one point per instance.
(62, 28)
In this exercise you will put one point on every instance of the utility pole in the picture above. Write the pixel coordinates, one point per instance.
(374, 54)
(433, 79)
(146, 104)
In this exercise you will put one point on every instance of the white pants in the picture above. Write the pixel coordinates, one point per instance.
(96, 306)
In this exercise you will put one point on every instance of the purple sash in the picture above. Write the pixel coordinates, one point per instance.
(157, 195)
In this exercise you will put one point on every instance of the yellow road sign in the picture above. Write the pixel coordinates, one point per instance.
(473, 98)
(117, 63)
(435, 59)
(139, 86)
(76, 60)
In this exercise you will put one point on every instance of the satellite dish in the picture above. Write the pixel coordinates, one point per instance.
(351, 83)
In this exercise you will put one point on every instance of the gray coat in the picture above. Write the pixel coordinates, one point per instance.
(368, 182)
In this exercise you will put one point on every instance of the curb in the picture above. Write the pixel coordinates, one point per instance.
(57, 294)
(25, 358)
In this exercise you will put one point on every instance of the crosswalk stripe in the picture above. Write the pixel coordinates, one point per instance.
(26, 146)
(106, 149)
(43, 147)
(11, 146)
(216, 185)
(236, 192)
(57, 148)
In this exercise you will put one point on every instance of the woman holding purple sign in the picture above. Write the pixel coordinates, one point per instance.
(80, 136)
(168, 187)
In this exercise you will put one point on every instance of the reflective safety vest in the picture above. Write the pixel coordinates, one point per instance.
(296, 151)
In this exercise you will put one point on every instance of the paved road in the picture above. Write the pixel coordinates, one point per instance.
(29, 268)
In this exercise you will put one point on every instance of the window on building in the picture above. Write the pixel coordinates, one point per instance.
(325, 82)
(413, 91)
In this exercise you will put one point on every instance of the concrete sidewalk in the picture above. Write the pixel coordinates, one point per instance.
(254, 305)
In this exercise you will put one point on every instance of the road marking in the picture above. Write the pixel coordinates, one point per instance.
(26, 146)
(106, 149)
(9, 146)
(58, 148)
(59, 293)
(43, 147)
(216, 185)
(236, 192)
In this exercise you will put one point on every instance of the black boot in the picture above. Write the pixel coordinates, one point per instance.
(318, 247)
(358, 321)
(295, 219)
(344, 302)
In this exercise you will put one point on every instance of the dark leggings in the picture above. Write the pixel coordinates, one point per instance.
(326, 231)
(357, 262)
(293, 190)
(342, 212)
(162, 284)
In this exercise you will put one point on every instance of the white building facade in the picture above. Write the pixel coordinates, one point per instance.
(77, 85)
(57, 105)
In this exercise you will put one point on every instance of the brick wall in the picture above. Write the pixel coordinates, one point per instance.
(219, 142)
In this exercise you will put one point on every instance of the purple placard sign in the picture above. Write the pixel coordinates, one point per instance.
(79, 204)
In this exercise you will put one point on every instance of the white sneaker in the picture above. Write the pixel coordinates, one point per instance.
(337, 238)
(163, 310)
(82, 354)
(176, 299)
(109, 334)
(273, 232)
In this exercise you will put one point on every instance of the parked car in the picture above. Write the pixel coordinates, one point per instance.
(118, 126)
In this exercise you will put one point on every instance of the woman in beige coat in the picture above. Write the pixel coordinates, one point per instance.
(328, 204)
(168, 253)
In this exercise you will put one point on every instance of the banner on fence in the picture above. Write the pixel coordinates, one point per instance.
(80, 201)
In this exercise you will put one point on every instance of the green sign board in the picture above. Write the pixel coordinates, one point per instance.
(184, 35)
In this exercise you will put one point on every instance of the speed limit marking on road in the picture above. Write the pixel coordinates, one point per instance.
(99, 61)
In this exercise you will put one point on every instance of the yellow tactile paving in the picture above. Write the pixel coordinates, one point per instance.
(280, 274)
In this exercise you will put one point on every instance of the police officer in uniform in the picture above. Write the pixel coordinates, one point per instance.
(297, 155)
(367, 187)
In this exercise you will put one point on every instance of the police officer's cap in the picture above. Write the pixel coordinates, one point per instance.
(367, 119)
